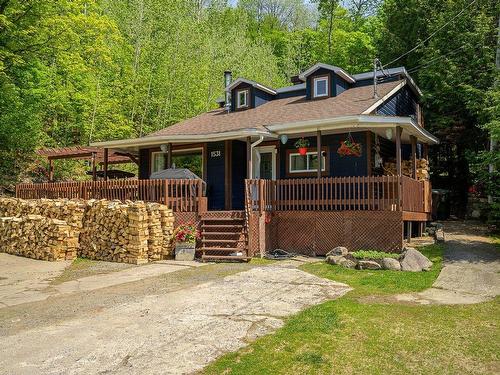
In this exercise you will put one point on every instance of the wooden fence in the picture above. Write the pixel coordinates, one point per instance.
(179, 195)
(385, 193)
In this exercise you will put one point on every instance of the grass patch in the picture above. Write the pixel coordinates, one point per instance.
(261, 261)
(367, 282)
(349, 337)
(82, 267)
(373, 254)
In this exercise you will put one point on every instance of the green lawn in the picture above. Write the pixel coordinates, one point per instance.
(347, 336)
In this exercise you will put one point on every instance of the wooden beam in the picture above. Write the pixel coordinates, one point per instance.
(413, 140)
(94, 171)
(169, 155)
(51, 170)
(106, 160)
(249, 157)
(399, 130)
(318, 149)
(368, 153)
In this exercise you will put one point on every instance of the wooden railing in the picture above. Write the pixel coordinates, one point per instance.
(179, 195)
(385, 193)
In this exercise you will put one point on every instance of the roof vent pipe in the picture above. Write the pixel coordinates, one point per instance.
(227, 81)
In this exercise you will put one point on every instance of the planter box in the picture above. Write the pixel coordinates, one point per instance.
(185, 251)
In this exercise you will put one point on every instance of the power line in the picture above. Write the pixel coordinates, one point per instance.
(434, 33)
(435, 59)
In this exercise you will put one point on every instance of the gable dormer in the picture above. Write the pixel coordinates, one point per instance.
(246, 94)
(324, 81)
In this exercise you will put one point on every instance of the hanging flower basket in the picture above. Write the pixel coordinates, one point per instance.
(350, 148)
(302, 145)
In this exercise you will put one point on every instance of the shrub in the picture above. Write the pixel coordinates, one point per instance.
(373, 254)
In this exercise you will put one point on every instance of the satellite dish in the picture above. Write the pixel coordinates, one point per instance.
(284, 138)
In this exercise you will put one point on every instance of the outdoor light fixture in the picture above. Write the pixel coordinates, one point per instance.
(164, 148)
(284, 138)
(388, 133)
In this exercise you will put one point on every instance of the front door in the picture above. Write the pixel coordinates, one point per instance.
(264, 162)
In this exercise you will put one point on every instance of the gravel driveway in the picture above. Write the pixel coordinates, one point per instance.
(164, 325)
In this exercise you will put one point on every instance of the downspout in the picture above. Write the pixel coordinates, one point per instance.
(255, 144)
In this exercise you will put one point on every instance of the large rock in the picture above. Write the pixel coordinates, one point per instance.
(390, 264)
(334, 259)
(339, 250)
(368, 265)
(414, 261)
(347, 263)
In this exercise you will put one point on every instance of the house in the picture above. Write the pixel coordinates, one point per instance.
(347, 188)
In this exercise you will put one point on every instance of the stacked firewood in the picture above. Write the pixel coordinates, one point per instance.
(38, 237)
(407, 169)
(131, 232)
(115, 231)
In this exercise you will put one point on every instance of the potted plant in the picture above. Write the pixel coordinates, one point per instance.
(302, 144)
(349, 147)
(185, 236)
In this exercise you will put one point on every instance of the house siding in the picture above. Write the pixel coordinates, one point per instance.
(290, 94)
(238, 173)
(338, 166)
(402, 103)
(215, 178)
(144, 163)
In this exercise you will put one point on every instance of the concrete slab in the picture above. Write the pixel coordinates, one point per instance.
(178, 332)
(23, 279)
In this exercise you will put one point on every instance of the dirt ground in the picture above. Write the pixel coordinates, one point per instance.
(174, 323)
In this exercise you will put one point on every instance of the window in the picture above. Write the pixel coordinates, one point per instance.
(157, 161)
(320, 87)
(242, 99)
(306, 163)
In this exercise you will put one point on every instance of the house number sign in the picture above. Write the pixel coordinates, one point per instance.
(215, 154)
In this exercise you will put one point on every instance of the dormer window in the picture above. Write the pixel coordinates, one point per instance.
(242, 99)
(320, 86)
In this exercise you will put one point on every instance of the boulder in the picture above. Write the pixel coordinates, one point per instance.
(368, 265)
(334, 259)
(339, 250)
(390, 264)
(414, 261)
(439, 235)
(347, 263)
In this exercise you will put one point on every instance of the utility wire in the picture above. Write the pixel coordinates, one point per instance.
(435, 59)
(430, 36)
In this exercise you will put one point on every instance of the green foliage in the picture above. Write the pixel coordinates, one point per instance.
(373, 254)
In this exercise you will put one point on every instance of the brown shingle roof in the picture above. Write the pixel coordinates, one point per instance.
(295, 109)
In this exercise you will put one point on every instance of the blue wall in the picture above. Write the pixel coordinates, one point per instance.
(402, 103)
(144, 163)
(338, 166)
(238, 174)
(215, 175)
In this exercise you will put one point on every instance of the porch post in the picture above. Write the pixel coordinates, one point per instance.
(414, 156)
(426, 151)
(106, 158)
(249, 157)
(368, 153)
(51, 170)
(398, 150)
(169, 155)
(318, 149)
(94, 172)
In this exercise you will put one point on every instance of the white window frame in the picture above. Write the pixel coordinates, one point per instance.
(293, 154)
(153, 157)
(180, 151)
(256, 160)
(315, 88)
(238, 103)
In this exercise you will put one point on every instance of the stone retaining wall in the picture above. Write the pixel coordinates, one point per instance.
(131, 232)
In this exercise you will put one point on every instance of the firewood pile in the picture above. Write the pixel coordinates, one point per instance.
(131, 232)
(38, 237)
(407, 169)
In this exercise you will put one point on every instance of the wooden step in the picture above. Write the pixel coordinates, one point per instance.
(222, 249)
(221, 241)
(223, 219)
(225, 257)
(220, 233)
(220, 226)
